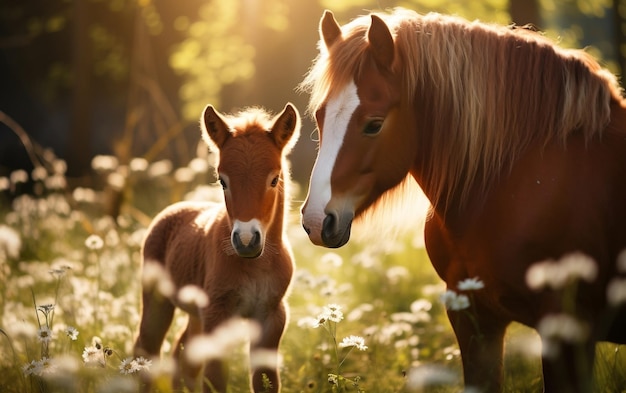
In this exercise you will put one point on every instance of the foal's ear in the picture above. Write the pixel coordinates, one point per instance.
(329, 29)
(286, 128)
(381, 43)
(215, 131)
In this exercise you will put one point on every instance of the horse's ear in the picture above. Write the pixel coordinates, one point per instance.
(381, 42)
(286, 128)
(215, 131)
(329, 29)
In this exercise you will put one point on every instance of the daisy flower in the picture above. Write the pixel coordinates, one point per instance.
(32, 368)
(94, 242)
(129, 366)
(353, 341)
(331, 312)
(72, 333)
(143, 363)
(471, 284)
(44, 334)
(454, 301)
(93, 357)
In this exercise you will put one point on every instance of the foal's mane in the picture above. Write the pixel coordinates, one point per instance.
(486, 91)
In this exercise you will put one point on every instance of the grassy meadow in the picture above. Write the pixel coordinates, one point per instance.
(70, 282)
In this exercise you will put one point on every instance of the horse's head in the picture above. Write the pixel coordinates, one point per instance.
(364, 146)
(251, 171)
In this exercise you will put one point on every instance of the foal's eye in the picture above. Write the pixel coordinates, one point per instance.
(275, 181)
(222, 183)
(373, 127)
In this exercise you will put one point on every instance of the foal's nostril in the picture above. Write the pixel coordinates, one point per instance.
(307, 230)
(256, 239)
(237, 240)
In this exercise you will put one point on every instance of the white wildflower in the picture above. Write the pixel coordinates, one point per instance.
(143, 363)
(94, 242)
(563, 327)
(353, 341)
(155, 277)
(199, 165)
(184, 175)
(10, 242)
(129, 366)
(453, 301)
(471, 284)
(72, 333)
(104, 163)
(138, 164)
(160, 168)
(32, 368)
(19, 176)
(44, 334)
(93, 356)
(221, 342)
(193, 295)
(332, 258)
(556, 274)
(616, 292)
(331, 312)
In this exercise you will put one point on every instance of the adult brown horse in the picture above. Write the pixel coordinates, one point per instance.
(519, 145)
(236, 252)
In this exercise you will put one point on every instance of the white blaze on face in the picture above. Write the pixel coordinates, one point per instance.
(339, 110)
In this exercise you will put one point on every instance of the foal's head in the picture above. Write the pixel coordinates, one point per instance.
(252, 149)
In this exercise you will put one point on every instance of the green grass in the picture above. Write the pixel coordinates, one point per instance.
(388, 296)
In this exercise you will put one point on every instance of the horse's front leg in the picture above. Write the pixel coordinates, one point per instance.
(481, 341)
(264, 353)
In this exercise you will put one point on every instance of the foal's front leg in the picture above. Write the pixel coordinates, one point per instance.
(215, 370)
(264, 354)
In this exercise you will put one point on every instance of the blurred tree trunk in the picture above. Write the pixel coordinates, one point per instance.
(525, 12)
(619, 27)
(79, 144)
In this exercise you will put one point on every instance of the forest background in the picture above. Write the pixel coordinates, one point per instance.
(130, 77)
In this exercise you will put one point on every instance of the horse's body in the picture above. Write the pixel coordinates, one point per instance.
(235, 252)
(520, 147)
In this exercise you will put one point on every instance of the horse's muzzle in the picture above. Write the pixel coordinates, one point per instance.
(336, 229)
(253, 249)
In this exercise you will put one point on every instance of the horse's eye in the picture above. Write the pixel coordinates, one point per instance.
(223, 183)
(275, 181)
(373, 127)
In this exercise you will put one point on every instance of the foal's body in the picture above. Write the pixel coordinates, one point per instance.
(236, 252)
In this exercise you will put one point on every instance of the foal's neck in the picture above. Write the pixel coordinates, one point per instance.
(277, 226)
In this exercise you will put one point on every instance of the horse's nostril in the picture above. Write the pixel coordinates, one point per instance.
(307, 230)
(329, 226)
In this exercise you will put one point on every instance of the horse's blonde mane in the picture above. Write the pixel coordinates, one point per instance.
(486, 92)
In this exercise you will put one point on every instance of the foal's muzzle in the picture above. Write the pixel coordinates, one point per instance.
(251, 250)
(247, 239)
